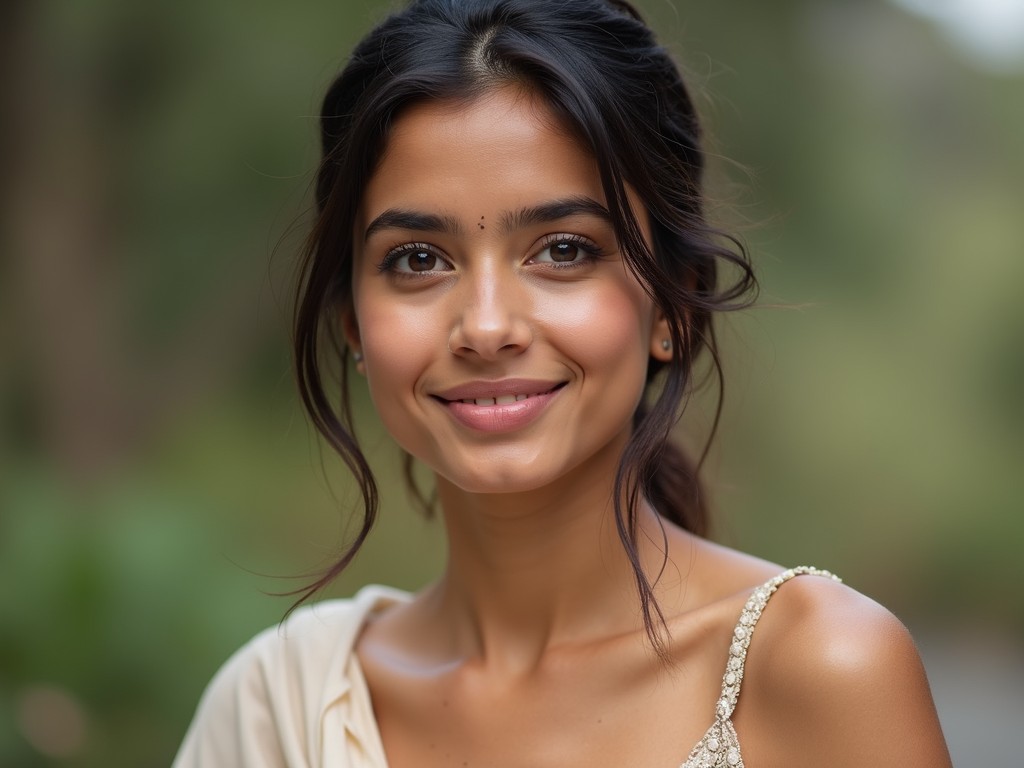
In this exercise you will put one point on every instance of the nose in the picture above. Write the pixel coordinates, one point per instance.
(492, 318)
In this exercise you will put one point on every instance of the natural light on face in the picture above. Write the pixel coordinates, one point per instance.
(506, 343)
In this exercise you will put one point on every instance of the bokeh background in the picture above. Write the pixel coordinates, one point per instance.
(158, 481)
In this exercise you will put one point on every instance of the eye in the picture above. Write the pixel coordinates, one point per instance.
(566, 251)
(414, 258)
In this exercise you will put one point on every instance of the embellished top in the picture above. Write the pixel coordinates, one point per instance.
(720, 747)
(295, 696)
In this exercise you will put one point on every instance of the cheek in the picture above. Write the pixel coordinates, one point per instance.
(606, 329)
(398, 343)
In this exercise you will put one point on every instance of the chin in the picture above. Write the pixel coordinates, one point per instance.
(497, 478)
(493, 484)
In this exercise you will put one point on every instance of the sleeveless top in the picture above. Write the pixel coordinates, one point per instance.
(720, 747)
(295, 696)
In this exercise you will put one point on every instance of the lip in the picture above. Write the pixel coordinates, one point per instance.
(503, 417)
(479, 390)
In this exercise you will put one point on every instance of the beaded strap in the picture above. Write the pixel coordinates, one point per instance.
(745, 630)
(720, 746)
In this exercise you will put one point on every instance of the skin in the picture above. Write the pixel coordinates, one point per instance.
(529, 649)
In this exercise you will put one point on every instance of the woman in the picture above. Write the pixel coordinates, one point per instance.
(511, 247)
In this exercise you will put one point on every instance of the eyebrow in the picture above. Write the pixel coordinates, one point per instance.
(398, 218)
(551, 210)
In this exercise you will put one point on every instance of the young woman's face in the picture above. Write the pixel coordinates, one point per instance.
(505, 342)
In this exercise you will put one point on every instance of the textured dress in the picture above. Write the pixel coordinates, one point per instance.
(295, 696)
(720, 746)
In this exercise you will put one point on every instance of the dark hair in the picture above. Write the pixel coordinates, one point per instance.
(597, 66)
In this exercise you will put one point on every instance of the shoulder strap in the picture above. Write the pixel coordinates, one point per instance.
(745, 629)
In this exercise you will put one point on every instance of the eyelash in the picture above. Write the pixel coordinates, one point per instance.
(394, 254)
(591, 252)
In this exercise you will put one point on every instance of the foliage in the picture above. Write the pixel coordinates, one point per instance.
(153, 460)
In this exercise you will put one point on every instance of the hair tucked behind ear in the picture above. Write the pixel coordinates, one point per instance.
(598, 67)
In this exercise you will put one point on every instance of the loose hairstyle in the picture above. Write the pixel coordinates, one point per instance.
(598, 68)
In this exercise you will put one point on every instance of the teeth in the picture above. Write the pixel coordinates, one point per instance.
(503, 400)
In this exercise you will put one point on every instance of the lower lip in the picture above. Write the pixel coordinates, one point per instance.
(500, 418)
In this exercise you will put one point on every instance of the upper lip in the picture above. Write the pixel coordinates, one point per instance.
(476, 390)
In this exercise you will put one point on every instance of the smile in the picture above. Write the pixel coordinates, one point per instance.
(499, 392)
(499, 400)
(498, 406)
(503, 400)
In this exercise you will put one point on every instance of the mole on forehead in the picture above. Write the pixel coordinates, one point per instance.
(508, 221)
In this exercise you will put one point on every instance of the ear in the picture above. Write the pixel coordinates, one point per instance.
(661, 340)
(350, 330)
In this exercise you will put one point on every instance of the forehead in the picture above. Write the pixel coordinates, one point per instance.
(497, 152)
(508, 113)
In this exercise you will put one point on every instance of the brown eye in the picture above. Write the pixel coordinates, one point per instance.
(564, 252)
(567, 251)
(414, 258)
(422, 261)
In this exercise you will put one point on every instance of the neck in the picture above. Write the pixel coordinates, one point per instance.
(534, 570)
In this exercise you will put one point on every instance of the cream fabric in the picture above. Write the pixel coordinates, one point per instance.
(295, 697)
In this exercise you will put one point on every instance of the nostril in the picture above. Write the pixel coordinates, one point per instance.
(490, 335)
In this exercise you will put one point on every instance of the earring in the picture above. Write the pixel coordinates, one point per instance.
(666, 344)
(357, 358)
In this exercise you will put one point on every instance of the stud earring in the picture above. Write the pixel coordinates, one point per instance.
(666, 344)
(357, 357)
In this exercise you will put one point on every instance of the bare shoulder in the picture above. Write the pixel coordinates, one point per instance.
(834, 678)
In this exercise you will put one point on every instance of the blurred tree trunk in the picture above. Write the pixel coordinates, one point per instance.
(60, 271)
(94, 388)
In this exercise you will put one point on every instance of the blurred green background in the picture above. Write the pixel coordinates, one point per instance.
(157, 479)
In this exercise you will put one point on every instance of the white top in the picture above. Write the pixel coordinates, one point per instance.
(295, 696)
